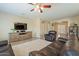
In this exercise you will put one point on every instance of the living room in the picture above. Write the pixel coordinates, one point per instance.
(59, 18)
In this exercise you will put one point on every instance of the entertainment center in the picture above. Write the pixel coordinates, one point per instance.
(21, 33)
(14, 37)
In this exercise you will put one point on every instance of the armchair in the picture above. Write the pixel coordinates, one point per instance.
(51, 36)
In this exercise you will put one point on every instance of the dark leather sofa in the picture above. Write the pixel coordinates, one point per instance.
(54, 49)
(51, 36)
(5, 49)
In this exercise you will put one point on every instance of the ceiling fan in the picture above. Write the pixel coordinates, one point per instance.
(39, 7)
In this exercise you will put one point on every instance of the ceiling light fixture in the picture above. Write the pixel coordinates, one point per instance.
(39, 6)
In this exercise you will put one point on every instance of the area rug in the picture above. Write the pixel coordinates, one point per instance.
(23, 49)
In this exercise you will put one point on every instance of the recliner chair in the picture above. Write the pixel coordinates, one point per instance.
(51, 36)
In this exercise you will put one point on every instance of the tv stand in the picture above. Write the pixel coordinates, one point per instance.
(22, 33)
(19, 36)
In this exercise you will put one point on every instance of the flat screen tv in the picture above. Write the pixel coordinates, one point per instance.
(20, 26)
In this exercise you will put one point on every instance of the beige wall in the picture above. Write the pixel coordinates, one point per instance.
(75, 20)
(71, 20)
(7, 23)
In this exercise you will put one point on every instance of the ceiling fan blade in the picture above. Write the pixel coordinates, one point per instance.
(47, 6)
(31, 3)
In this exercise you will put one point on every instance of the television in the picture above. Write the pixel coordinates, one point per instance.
(20, 26)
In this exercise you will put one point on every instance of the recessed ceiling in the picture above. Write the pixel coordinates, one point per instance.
(57, 10)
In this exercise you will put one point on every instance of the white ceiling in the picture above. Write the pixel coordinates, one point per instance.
(58, 10)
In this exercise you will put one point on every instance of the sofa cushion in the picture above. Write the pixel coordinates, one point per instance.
(3, 48)
(49, 51)
(3, 43)
(55, 45)
(6, 50)
(6, 53)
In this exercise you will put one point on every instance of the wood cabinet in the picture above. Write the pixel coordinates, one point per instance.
(14, 37)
